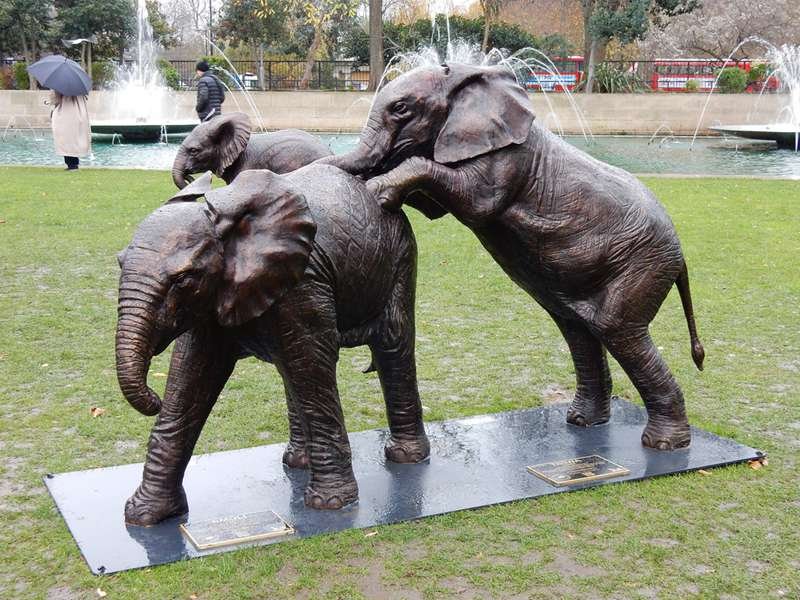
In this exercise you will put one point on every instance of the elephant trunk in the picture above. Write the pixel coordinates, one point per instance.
(134, 347)
(178, 169)
(367, 156)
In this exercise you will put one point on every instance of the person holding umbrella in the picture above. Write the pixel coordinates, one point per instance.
(69, 85)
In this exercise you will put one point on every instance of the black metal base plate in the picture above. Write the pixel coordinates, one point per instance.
(476, 461)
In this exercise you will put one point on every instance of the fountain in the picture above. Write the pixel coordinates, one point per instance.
(144, 106)
(785, 61)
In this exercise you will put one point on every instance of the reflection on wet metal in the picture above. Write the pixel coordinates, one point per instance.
(474, 462)
(236, 529)
(578, 470)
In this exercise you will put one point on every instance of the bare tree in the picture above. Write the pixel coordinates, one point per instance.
(719, 26)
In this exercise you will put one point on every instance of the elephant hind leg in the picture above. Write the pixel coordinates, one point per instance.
(592, 402)
(667, 426)
(307, 348)
(295, 455)
(393, 356)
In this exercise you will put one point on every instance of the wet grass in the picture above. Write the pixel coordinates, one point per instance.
(483, 346)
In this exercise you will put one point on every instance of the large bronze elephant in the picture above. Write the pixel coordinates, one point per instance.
(287, 268)
(227, 147)
(587, 240)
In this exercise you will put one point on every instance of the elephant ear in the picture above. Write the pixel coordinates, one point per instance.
(267, 232)
(199, 187)
(488, 111)
(230, 133)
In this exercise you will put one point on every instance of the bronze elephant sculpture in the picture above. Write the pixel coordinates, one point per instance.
(589, 242)
(286, 268)
(226, 146)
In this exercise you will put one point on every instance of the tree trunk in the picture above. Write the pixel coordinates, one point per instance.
(590, 67)
(587, 6)
(311, 58)
(89, 59)
(34, 53)
(375, 44)
(486, 27)
(261, 85)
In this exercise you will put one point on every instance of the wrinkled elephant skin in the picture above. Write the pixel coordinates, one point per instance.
(286, 268)
(587, 240)
(226, 147)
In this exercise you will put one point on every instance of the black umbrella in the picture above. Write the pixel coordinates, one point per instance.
(62, 75)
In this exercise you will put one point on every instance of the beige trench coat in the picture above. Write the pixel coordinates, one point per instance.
(70, 120)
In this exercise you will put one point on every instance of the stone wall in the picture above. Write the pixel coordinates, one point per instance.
(346, 111)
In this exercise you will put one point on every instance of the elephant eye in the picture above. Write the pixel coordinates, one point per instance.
(194, 151)
(399, 108)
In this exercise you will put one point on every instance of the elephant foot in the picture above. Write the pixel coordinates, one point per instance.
(147, 509)
(666, 434)
(331, 496)
(407, 449)
(296, 456)
(585, 412)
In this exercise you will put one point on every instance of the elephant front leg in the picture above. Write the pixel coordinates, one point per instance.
(474, 194)
(199, 368)
(592, 402)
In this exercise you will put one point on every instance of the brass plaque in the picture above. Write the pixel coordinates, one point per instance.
(237, 529)
(578, 470)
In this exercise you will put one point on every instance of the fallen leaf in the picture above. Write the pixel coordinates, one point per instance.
(2, 221)
(370, 534)
(704, 472)
(97, 411)
(159, 374)
(45, 365)
(757, 463)
(192, 596)
(101, 593)
(3, 356)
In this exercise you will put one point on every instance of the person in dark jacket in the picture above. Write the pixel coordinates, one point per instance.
(210, 94)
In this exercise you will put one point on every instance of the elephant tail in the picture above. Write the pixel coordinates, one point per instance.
(698, 353)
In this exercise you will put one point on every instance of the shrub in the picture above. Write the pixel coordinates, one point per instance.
(103, 73)
(170, 74)
(692, 85)
(732, 80)
(611, 79)
(758, 73)
(21, 79)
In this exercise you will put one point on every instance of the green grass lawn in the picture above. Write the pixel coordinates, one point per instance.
(483, 346)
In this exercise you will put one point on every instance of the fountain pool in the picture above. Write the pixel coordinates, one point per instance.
(672, 155)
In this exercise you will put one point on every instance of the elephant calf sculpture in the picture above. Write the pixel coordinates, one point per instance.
(587, 240)
(226, 147)
(287, 268)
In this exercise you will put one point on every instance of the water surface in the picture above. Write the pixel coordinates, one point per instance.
(674, 156)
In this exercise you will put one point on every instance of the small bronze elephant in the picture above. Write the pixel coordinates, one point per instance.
(589, 242)
(287, 268)
(226, 147)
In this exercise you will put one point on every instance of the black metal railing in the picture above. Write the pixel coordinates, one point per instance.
(686, 75)
(282, 75)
